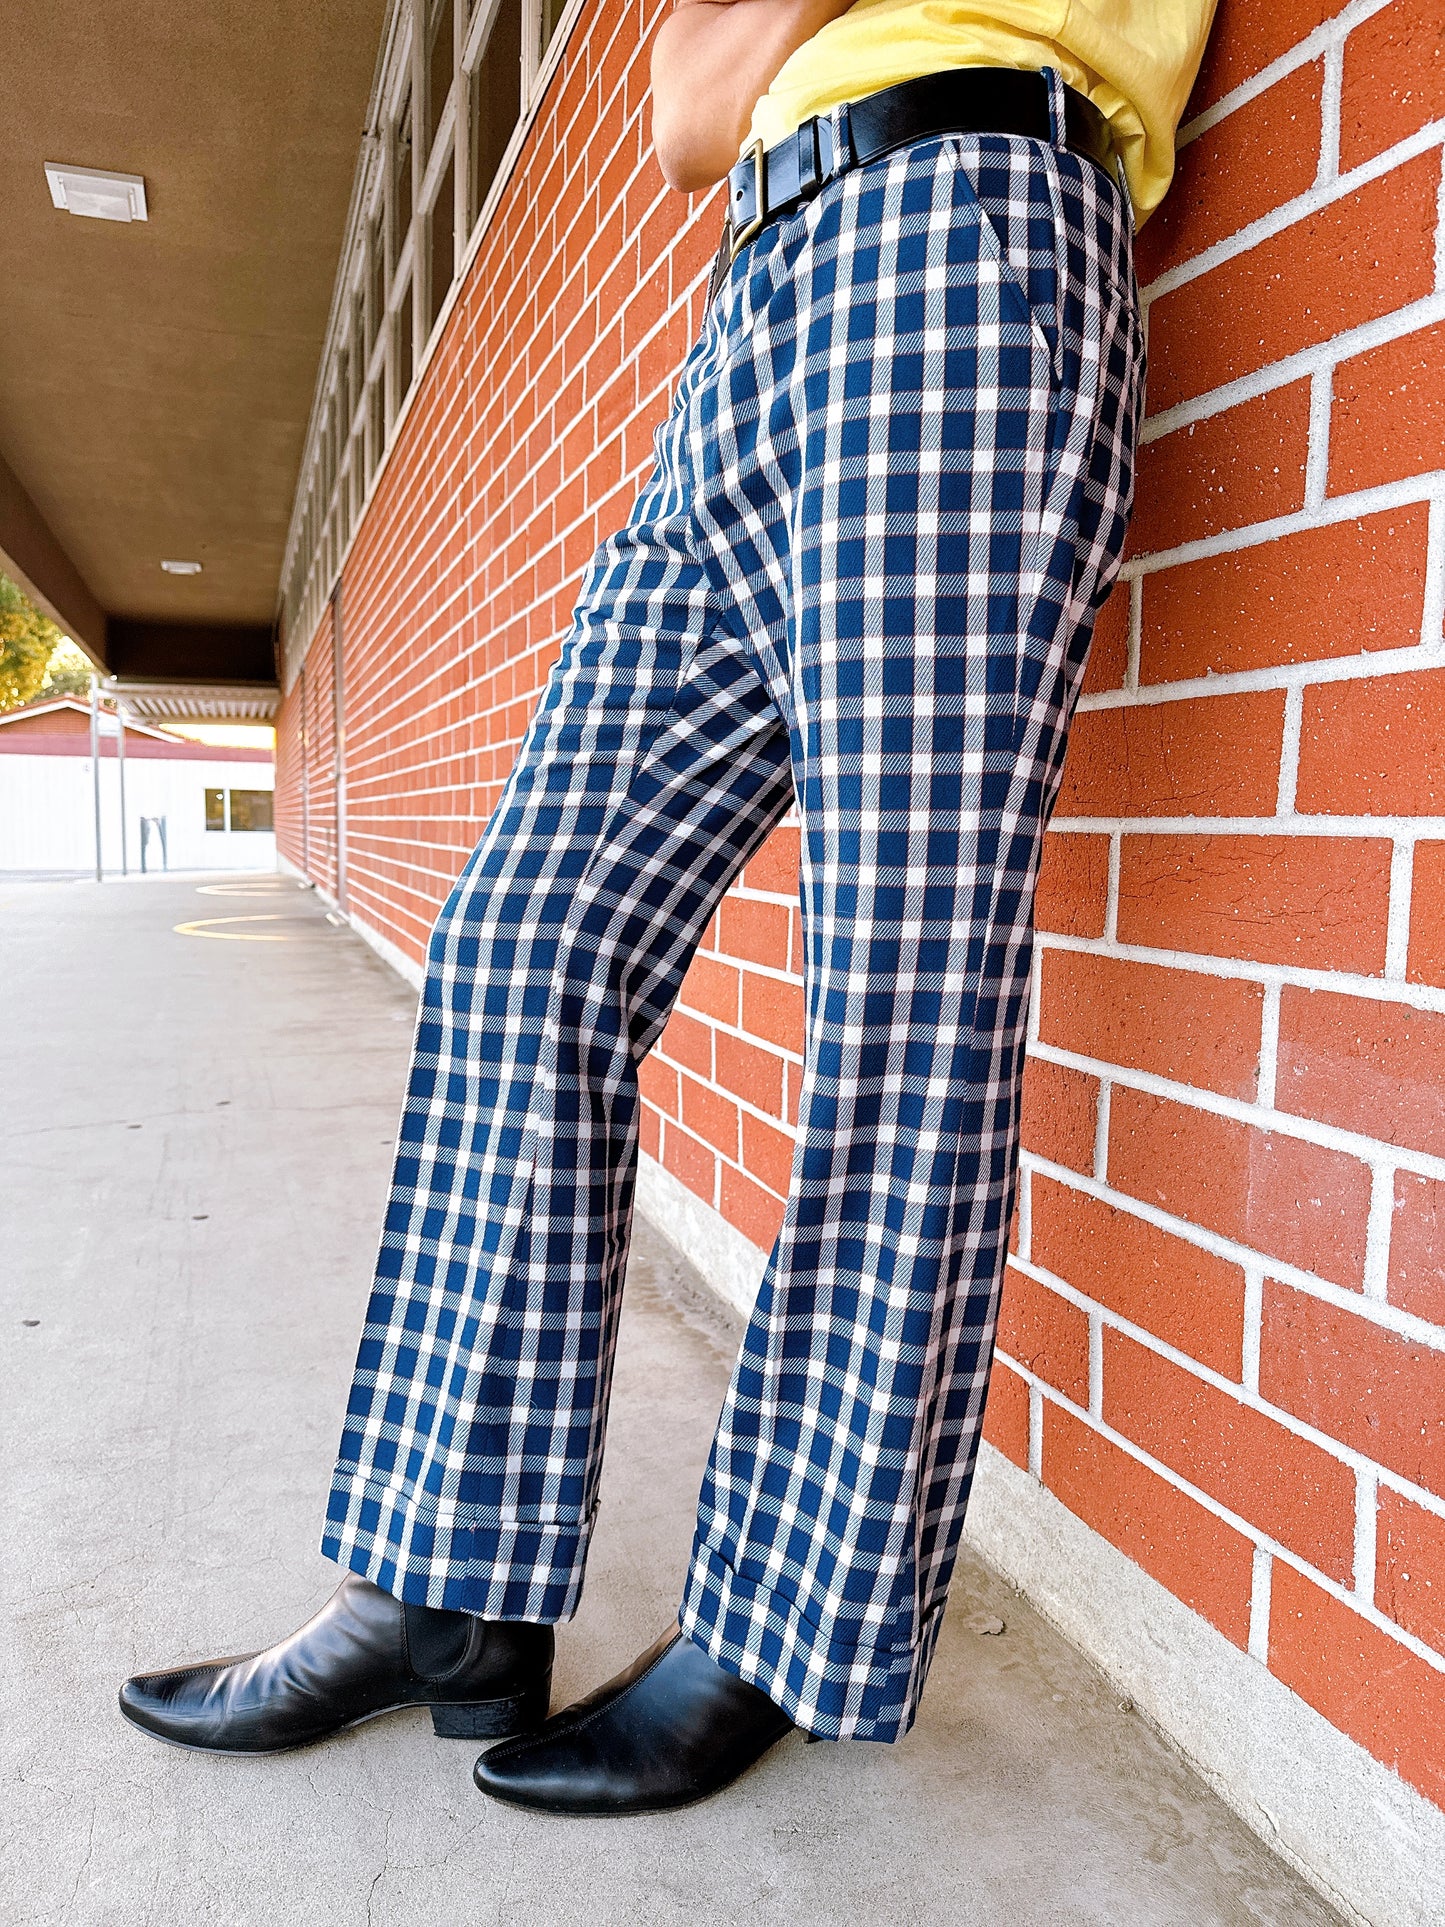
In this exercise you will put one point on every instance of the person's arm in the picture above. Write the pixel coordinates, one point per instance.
(711, 63)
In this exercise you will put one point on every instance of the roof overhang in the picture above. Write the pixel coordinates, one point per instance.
(158, 374)
(178, 702)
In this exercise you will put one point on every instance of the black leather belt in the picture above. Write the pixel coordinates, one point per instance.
(768, 183)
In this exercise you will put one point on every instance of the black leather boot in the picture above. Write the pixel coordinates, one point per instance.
(670, 1730)
(364, 1653)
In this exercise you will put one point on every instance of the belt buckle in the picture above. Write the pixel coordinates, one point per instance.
(742, 235)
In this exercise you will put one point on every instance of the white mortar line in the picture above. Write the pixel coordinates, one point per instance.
(1345, 983)
(1387, 1317)
(1101, 1133)
(1317, 463)
(1432, 619)
(1315, 198)
(1136, 633)
(1111, 894)
(1253, 1326)
(1246, 1529)
(1294, 708)
(1397, 939)
(1268, 1047)
(1376, 1284)
(1323, 38)
(1262, 1571)
(1026, 1216)
(1331, 90)
(1096, 1365)
(1036, 1428)
(1410, 318)
(1366, 1501)
(1293, 678)
(1354, 506)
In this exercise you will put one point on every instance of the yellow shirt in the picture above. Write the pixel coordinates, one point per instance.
(1135, 59)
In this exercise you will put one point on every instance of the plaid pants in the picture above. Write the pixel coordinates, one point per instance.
(891, 495)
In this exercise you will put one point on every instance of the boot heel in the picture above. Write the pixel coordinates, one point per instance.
(494, 1719)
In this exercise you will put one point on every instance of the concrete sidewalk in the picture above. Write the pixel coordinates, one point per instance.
(198, 1130)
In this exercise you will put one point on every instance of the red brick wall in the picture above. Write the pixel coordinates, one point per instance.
(1222, 1339)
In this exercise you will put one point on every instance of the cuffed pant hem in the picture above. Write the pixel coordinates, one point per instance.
(834, 1689)
(493, 1568)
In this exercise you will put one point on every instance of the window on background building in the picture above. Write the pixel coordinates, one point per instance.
(440, 226)
(440, 64)
(552, 11)
(403, 353)
(496, 95)
(471, 68)
(401, 182)
(240, 810)
(251, 809)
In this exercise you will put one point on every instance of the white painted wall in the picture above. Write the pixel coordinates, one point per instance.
(47, 813)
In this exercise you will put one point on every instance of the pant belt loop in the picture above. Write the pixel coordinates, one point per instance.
(1054, 86)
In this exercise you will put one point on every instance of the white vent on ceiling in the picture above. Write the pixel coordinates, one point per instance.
(93, 192)
(181, 568)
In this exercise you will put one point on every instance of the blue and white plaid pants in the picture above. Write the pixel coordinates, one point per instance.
(891, 495)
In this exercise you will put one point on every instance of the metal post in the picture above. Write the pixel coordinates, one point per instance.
(120, 779)
(95, 765)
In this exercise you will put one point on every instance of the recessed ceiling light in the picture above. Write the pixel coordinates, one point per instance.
(181, 568)
(94, 192)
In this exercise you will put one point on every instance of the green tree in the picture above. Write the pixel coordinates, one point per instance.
(27, 642)
(68, 671)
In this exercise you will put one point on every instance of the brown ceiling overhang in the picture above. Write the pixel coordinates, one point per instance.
(157, 376)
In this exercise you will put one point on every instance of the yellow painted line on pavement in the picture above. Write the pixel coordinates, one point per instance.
(206, 927)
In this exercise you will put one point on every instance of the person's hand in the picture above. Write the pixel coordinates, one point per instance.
(711, 62)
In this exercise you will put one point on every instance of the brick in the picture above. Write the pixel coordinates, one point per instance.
(1376, 1068)
(658, 1083)
(750, 1072)
(1254, 160)
(1207, 756)
(1297, 1202)
(754, 932)
(1006, 1415)
(1394, 79)
(775, 867)
(1109, 650)
(767, 1154)
(1046, 1334)
(1365, 1683)
(1410, 1567)
(686, 1041)
(1307, 597)
(1246, 464)
(1321, 902)
(1267, 1475)
(1060, 1114)
(1201, 1560)
(1073, 887)
(1356, 1381)
(1387, 417)
(1174, 1023)
(710, 1116)
(1417, 1247)
(1361, 257)
(1187, 1297)
(1247, 35)
(1374, 747)
(712, 988)
(750, 1209)
(1426, 963)
(693, 1164)
(773, 1010)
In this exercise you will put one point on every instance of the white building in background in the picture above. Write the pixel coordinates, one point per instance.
(187, 806)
